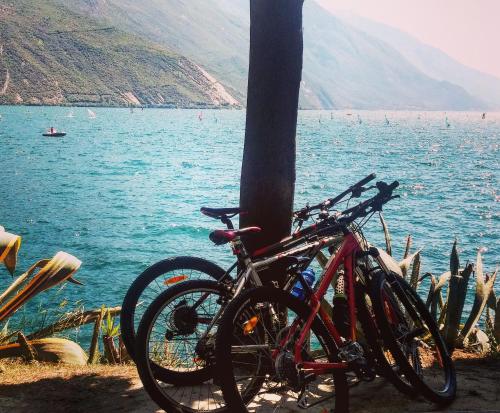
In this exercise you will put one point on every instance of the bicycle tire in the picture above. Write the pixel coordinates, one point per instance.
(146, 278)
(384, 368)
(387, 288)
(154, 383)
(223, 347)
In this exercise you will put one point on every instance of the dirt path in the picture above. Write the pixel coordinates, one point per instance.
(43, 388)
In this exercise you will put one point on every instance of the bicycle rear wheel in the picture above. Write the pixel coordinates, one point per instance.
(255, 355)
(413, 337)
(175, 346)
(153, 281)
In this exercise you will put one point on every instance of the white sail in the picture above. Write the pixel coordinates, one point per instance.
(92, 115)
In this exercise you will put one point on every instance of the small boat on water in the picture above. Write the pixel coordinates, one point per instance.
(52, 132)
(92, 114)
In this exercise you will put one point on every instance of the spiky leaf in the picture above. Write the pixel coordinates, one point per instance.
(415, 271)
(483, 290)
(496, 325)
(407, 247)
(405, 264)
(322, 259)
(454, 260)
(387, 235)
(455, 305)
(432, 288)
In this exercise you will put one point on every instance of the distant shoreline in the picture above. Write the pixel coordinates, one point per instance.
(239, 107)
(166, 106)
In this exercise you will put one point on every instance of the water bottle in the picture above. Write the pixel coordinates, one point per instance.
(340, 308)
(298, 289)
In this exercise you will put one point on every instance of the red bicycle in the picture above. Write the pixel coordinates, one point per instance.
(275, 351)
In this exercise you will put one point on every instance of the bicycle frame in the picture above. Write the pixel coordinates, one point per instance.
(310, 249)
(345, 255)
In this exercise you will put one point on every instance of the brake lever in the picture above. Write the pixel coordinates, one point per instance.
(356, 193)
(324, 214)
(302, 214)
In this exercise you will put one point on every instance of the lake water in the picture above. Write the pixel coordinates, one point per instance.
(123, 190)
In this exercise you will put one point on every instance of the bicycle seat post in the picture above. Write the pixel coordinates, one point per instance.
(226, 221)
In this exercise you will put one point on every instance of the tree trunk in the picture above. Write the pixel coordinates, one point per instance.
(268, 170)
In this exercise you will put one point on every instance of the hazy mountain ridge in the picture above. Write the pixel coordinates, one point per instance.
(51, 55)
(430, 60)
(343, 66)
(349, 68)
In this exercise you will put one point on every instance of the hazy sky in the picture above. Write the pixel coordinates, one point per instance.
(467, 30)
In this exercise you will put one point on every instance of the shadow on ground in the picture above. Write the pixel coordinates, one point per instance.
(81, 394)
(117, 389)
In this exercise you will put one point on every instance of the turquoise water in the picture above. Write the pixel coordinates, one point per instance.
(123, 190)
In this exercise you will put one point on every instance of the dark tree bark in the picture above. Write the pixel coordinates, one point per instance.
(268, 170)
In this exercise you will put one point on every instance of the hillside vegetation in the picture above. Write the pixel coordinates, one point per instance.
(343, 67)
(52, 55)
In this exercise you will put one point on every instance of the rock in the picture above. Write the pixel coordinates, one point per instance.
(56, 350)
(478, 341)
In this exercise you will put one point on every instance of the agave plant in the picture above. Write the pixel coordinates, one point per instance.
(448, 311)
(109, 332)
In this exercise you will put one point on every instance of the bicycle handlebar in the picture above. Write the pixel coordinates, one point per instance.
(376, 202)
(335, 223)
(355, 189)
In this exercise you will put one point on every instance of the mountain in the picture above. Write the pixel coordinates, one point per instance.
(214, 33)
(195, 52)
(50, 54)
(431, 61)
(343, 67)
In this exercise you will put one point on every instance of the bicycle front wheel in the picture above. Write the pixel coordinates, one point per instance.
(376, 350)
(413, 338)
(256, 367)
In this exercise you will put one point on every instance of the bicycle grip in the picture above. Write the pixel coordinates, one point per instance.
(365, 180)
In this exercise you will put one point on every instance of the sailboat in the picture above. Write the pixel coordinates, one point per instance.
(70, 114)
(92, 115)
(386, 120)
(484, 115)
(447, 122)
(359, 120)
(200, 116)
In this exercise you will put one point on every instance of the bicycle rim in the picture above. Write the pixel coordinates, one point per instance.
(152, 282)
(175, 353)
(414, 339)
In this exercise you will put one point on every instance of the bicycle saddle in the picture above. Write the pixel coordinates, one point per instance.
(218, 213)
(223, 236)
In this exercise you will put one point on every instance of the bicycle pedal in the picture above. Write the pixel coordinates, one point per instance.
(351, 352)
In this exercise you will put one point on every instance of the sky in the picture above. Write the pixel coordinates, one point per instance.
(467, 30)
